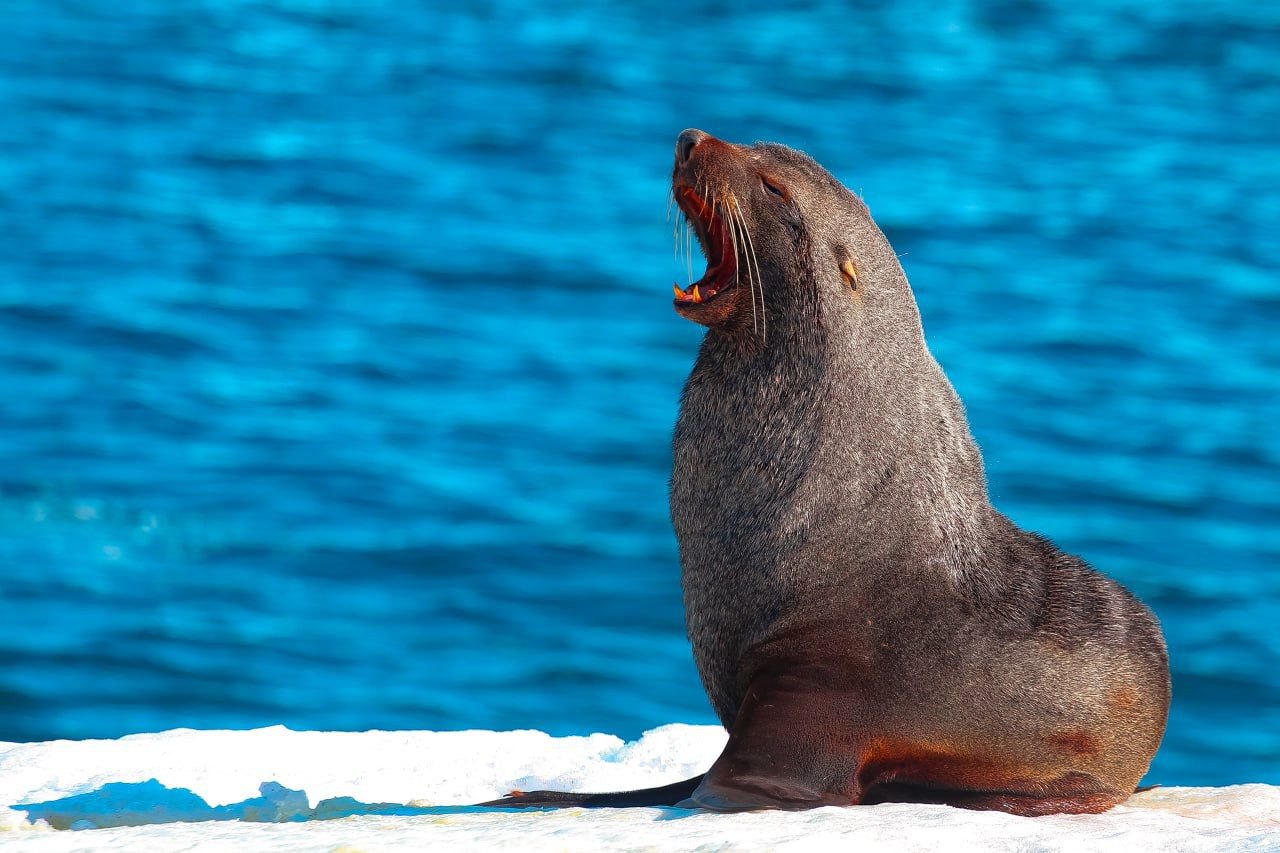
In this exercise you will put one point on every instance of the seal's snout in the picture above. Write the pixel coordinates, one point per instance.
(686, 142)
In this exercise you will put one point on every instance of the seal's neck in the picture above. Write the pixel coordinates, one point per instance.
(847, 436)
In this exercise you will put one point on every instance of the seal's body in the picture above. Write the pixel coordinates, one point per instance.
(867, 626)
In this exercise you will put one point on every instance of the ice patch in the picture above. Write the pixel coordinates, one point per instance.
(276, 788)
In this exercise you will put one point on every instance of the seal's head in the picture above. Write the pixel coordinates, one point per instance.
(782, 237)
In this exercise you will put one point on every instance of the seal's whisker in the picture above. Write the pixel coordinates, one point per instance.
(757, 279)
(753, 273)
(681, 234)
(711, 220)
(732, 224)
(681, 224)
(679, 221)
(682, 239)
(704, 192)
(689, 237)
(738, 226)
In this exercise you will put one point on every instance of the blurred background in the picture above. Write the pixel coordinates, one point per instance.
(339, 367)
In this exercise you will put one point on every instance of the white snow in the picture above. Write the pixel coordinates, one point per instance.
(233, 771)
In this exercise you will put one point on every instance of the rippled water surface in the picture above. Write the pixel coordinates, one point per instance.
(338, 365)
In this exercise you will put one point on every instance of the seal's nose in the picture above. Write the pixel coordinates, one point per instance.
(686, 142)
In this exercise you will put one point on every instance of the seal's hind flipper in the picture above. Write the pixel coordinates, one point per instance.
(666, 795)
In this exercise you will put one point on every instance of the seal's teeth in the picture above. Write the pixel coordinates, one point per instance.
(679, 293)
(697, 297)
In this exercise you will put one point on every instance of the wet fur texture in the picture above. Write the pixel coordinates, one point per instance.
(867, 626)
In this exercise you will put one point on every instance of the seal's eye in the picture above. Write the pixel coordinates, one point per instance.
(772, 187)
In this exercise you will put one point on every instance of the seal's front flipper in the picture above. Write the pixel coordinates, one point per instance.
(666, 795)
(790, 747)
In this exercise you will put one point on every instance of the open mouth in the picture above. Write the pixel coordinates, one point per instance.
(716, 239)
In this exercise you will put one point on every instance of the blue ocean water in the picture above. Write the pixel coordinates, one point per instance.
(338, 366)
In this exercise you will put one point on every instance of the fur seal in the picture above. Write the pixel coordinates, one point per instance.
(867, 626)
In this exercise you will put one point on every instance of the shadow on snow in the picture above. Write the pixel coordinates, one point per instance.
(150, 802)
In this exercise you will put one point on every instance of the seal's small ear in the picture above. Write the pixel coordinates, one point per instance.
(850, 272)
(848, 268)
